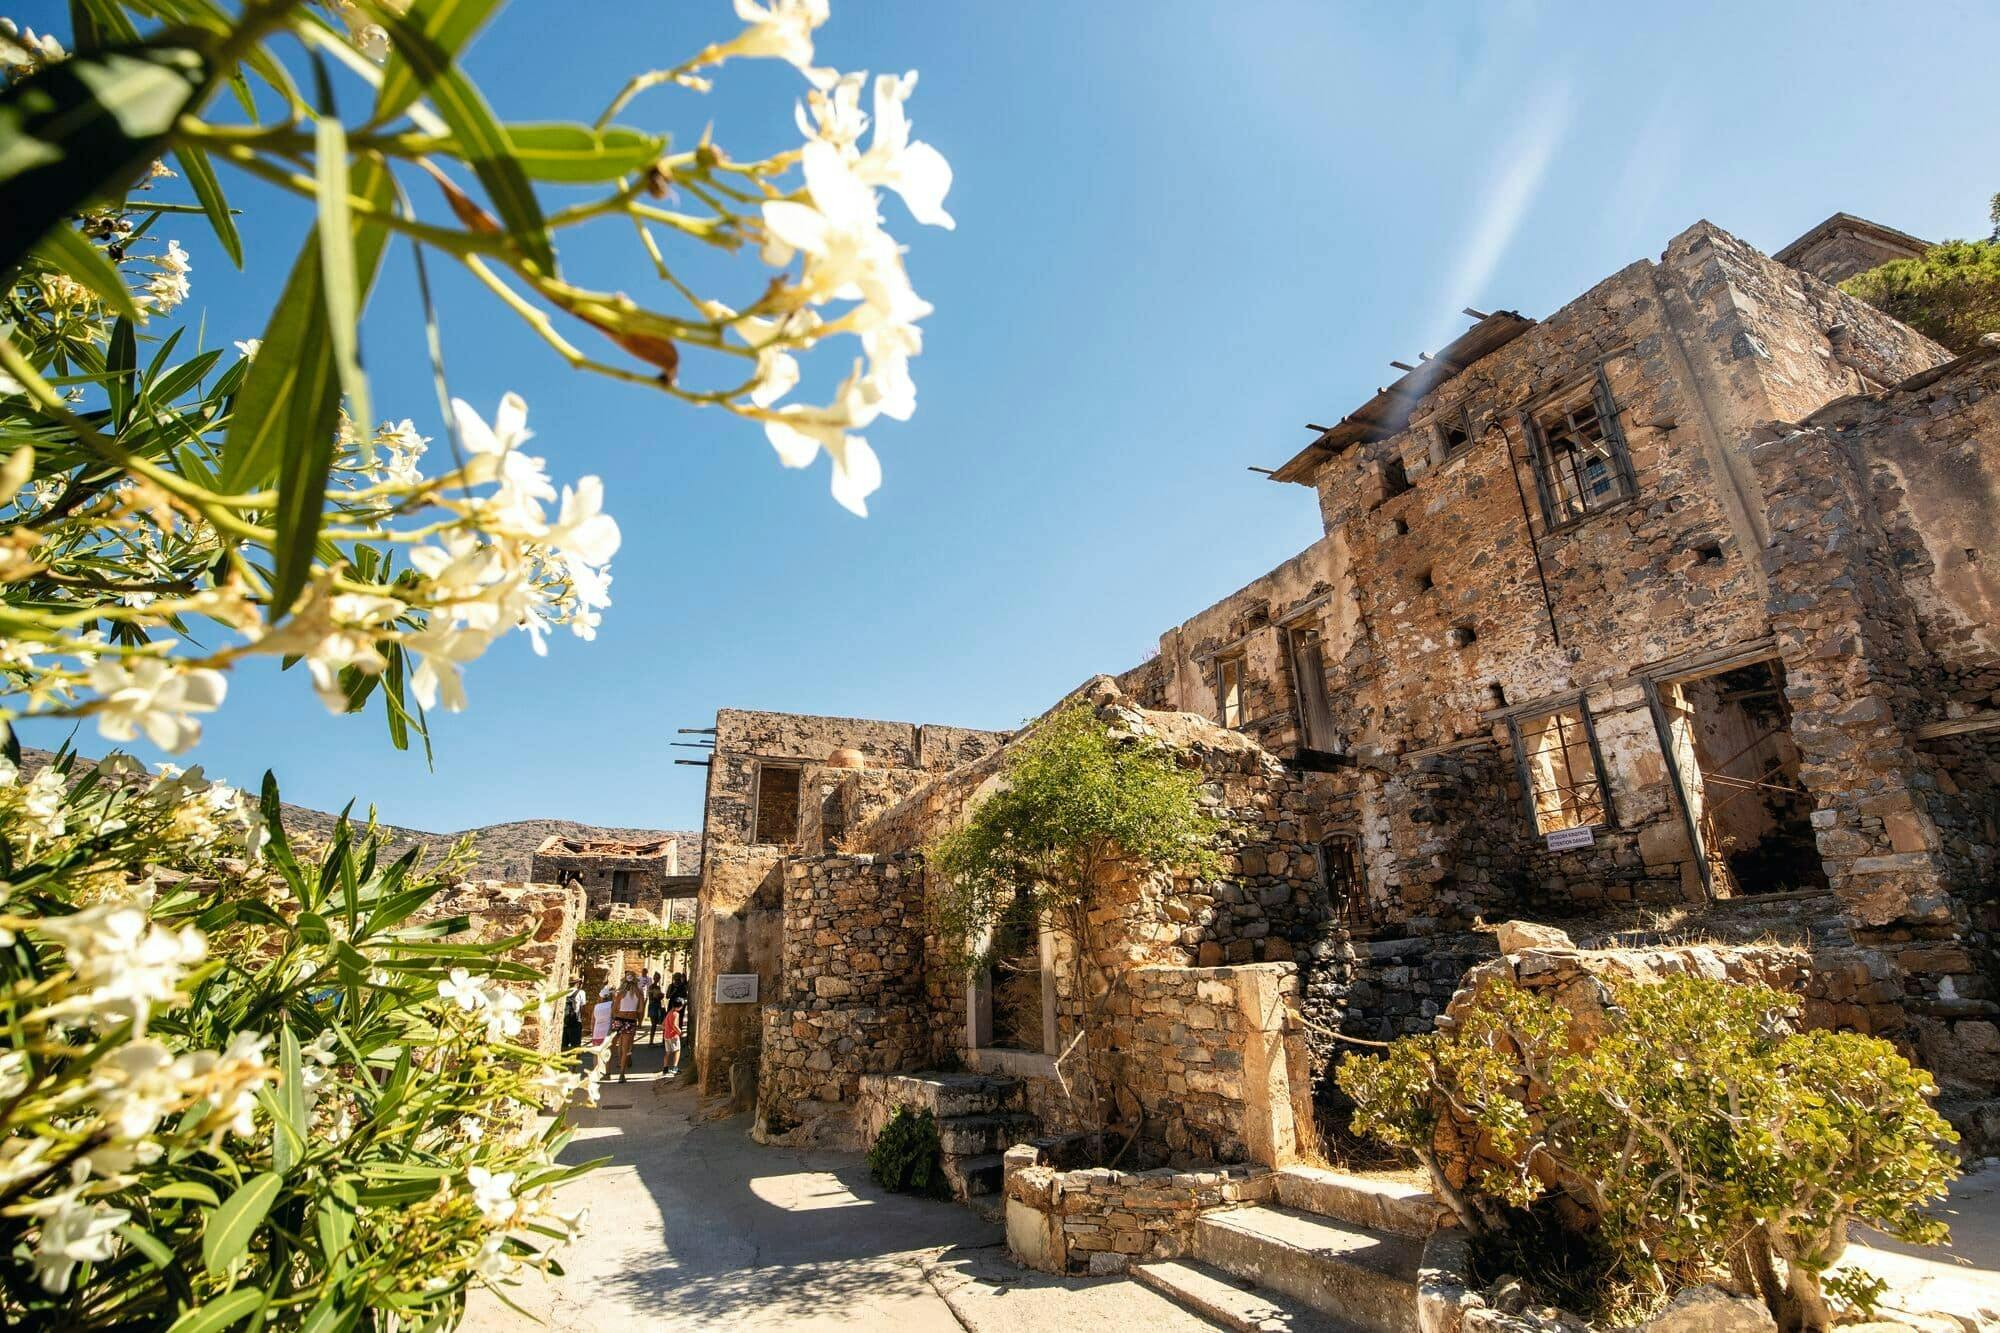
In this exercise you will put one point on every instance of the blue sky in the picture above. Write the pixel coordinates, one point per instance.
(1184, 230)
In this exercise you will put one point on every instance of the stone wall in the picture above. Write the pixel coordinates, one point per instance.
(1208, 1064)
(850, 999)
(635, 874)
(1097, 1221)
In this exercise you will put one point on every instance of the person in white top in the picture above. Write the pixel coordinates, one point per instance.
(600, 1018)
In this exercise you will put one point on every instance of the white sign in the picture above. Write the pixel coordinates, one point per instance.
(1569, 839)
(736, 988)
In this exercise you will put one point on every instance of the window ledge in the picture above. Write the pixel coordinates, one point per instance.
(1570, 524)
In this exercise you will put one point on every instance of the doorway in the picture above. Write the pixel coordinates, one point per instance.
(1750, 814)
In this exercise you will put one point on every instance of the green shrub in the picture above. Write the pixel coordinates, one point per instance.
(1700, 1131)
(906, 1157)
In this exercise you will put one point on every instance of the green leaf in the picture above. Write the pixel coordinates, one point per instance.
(336, 265)
(289, 1128)
(220, 1313)
(285, 415)
(84, 129)
(579, 155)
(185, 1189)
(95, 24)
(71, 251)
(444, 27)
(231, 1227)
(481, 141)
(146, 1243)
(201, 176)
(333, 1214)
(122, 360)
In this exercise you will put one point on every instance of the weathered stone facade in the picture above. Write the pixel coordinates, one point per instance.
(1682, 598)
(772, 780)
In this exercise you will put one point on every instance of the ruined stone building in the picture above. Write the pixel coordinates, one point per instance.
(1677, 607)
(646, 877)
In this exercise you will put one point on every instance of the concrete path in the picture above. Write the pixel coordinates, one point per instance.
(694, 1226)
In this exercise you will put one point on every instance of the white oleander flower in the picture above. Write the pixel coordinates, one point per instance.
(780, 30)
(803, 431)
(463, 989)
(157, 696)
(72, 1232)
(583, 532)
(404, 448)
(503, 1016)
(128, 964)
(41, 805)
(916, 171)
(440, 655)
(492, 1194)
(250, 347)
(168, 286)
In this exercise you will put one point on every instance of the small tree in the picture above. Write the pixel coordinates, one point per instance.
(1699, 1132)
(1079, 801)
(1950, 293)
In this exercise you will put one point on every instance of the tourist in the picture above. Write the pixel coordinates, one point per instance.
(628, 1010)
(574, 1005)
(656, 1003)
(677, 989)
(670, 1055)
(600, 1018)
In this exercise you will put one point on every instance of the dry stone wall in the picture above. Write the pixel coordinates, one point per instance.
(851, 998)
(545, 914)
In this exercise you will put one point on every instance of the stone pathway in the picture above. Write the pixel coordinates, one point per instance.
(694, 1226)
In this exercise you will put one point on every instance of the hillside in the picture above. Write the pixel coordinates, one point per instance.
(503, 850)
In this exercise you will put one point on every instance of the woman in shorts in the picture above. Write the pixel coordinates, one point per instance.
(628, 1008)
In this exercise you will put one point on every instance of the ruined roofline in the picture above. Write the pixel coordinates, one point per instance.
(860, 721)
(1790, 251)
(1388, 412)
(1841, 410)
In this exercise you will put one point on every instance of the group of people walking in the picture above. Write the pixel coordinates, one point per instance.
(619, 1015)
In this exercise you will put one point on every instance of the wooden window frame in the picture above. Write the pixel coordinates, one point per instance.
(1608, 815)
(1605, 406)
(1226, 668)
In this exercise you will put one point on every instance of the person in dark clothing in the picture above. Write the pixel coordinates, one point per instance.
(573, 1006)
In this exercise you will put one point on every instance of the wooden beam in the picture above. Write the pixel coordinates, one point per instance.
(1959, 726)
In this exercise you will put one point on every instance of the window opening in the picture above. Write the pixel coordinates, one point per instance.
(1578, 461)
(1395, 478)
(1017, 978)
(1454, 434)
(1315, 710)
(777, 815)
(1229, 691)
(1739, 770)
(621, 886)
(1340, 876)
(1558, 754)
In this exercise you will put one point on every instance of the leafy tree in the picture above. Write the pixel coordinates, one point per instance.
(1951, 293)
(1700, 1131)
(1079, 800)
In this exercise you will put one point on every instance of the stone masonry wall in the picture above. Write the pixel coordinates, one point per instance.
(851, 997)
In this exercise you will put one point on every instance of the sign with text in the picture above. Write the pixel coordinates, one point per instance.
(1569, 839)
(736, 988)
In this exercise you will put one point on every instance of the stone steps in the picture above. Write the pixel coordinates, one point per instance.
(1354, 1273)
(1229, 1302)
(973, 1177)
(1382, 1203)
(949, 1095)
(978, 1135)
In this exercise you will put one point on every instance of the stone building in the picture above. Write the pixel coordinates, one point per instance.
(646, 876)
(1680, 600)
(778, 782)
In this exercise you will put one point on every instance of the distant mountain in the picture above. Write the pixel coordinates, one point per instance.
(503, 851)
